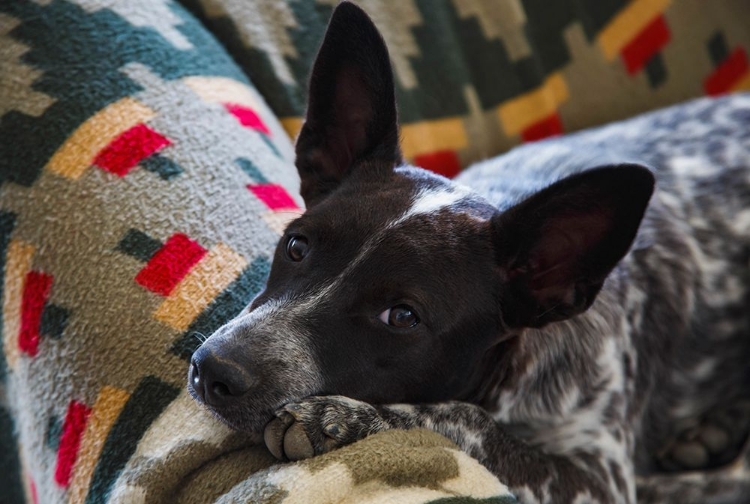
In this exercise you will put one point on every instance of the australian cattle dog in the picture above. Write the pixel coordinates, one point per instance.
(574, 314)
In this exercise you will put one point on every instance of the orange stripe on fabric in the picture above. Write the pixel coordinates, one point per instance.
(530, 108)
(742, 85)
(222, 90)
(17, 267)
(80, 149)
(430, 136)
(292, 126)
(220, 267)
(278, 221)
(109, 404)
(627, 24)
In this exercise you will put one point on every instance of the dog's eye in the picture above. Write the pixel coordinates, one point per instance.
(297, 248)
(399, 316)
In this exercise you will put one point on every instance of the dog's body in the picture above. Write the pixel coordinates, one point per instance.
(675, 311)
(568, 329)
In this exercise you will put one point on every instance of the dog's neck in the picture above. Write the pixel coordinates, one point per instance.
(518, 379)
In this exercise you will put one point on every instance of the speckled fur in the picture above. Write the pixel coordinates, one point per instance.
(666, 341)
(669, 336)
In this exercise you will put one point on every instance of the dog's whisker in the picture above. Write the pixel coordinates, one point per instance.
(547, 311)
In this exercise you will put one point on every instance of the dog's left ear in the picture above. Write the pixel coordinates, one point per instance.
(556, 248)
(351, 112)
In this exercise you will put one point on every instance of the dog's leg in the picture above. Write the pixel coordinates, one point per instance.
(320, 424)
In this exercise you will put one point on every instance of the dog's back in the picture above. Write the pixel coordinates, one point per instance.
(682, 292)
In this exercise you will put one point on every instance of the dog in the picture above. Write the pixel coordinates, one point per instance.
(577, 321)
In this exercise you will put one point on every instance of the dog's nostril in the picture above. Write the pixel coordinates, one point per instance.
(221, 389)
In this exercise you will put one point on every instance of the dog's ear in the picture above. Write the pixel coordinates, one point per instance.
(351, 112)
(555, 248)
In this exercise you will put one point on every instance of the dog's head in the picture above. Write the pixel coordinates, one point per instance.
(395, 282)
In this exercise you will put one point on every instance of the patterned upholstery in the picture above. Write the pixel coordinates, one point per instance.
(144, 183)
(475, 77)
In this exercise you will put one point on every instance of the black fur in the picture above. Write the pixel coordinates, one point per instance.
(351, 113)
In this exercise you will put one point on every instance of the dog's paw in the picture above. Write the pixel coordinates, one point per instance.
(318, 425)
(711, 442)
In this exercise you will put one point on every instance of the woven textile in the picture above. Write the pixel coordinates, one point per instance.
(131, 221)
(475, 77)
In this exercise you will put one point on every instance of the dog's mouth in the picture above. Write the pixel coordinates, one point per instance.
(249, 413)
(252, 422)
(245, 417)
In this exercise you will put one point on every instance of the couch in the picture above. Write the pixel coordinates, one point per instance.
(147, 172)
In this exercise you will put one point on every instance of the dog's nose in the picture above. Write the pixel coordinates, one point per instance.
(217, 379)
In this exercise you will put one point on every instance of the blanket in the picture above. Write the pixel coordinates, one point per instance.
(144, 184)
(475, 77)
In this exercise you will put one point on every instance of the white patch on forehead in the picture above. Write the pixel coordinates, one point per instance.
(290, 310)
(428, 201)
